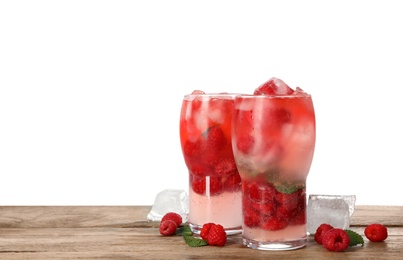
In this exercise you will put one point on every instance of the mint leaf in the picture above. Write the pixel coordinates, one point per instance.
(195, 242)
(184, 231)
(355, 238)
(287, 188)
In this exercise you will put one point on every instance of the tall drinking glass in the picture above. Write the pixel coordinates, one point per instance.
(214, 181)
(273, 143)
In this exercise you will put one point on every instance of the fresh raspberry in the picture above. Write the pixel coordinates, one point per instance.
(225, 167)
(376, 232)
(299, 218)
(336, 240)
(261, 191)
(215, 138)
(217, 235)
(274, 223)
(198, 169)
(251, 218)
(264, 209)
(288, 204)
(175, 217)
(205, 230)
(192, 150)
(233, 182)
(199, 185)
(168, 228)
(321, 231)
(245, 143)
(273, 86)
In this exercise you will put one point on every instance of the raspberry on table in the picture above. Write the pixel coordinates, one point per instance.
(217, 235)
(214, 234)
(168, 227)
(321, 231)
(336, 240)
(205, 230)
(376, 232)
(175, 217)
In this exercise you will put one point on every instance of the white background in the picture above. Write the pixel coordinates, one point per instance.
(90, 91)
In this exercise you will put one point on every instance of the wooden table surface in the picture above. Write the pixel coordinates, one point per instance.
(123, 232)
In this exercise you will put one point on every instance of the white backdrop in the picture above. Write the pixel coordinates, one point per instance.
(90, 91)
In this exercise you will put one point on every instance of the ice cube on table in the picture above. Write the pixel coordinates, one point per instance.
(335, 210)
(169, 200)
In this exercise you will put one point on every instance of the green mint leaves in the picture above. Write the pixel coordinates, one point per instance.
(355, 238)
(184, 231)
(187, 233)
(195, 242)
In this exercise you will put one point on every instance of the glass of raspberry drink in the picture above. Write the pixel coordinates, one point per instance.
(214, 181)
(273, 138)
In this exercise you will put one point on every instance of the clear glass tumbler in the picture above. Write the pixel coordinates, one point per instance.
(214, 181)
(273, 140)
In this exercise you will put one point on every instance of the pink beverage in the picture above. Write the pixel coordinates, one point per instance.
(273, 137)
(214, 181)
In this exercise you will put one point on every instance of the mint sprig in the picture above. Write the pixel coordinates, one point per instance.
(187, 234)
(355, 238)
(184, 231)
(195, 242)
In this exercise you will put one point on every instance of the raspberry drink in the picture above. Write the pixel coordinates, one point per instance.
(214, 181)
(273, 139)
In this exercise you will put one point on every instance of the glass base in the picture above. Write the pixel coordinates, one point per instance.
(229, 231)
(275, 245)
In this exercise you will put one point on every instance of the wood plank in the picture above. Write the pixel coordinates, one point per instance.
(122, 232)
(387, 215)
(146, 243)
(73, 216)
(136, 216)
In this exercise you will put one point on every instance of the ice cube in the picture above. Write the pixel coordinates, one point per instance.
(335, 210)
(274, 86)
(169, 200)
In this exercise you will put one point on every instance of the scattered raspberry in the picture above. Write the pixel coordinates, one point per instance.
(168, 228)
(321, 231)
(376, 232)
(175, 217)
(214, 234)
(217, 235)
(273, 86)
(336, 240)
(205, 230)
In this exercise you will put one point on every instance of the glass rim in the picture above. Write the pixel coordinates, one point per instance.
(218, 94)
(299, 95)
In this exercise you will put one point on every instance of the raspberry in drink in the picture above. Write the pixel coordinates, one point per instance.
(214, 181)
(273, 138)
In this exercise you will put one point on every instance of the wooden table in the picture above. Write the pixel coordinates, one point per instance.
(123, 232)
